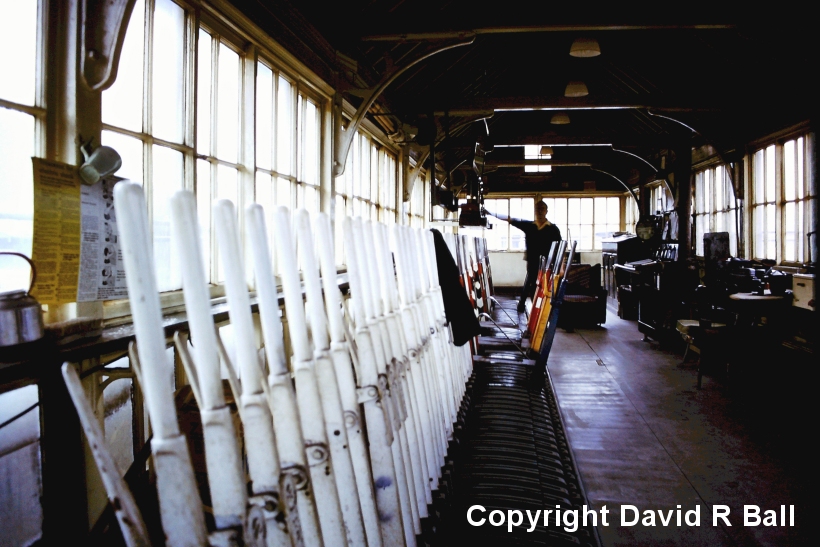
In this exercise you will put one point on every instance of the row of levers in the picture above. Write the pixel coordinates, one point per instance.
(338, 409)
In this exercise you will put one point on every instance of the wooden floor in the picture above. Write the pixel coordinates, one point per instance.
(642, 434)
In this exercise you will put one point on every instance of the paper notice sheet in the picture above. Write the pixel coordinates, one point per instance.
(56, 241)
(102, 276)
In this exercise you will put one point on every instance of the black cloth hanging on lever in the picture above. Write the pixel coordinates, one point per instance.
(457, 307)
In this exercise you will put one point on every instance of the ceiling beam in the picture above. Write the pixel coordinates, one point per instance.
(528, 104)
(449, 35)
(524, 163)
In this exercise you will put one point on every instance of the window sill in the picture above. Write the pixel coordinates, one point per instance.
(30, 362)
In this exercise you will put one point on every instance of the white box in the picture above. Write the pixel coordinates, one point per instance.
(803, 287)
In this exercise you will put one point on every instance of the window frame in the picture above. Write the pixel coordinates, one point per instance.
(779, 199)
(711, 215)
(38, 110)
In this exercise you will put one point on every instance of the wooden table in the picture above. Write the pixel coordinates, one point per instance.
(753, 307)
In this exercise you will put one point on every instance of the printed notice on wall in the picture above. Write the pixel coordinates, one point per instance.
(56, 241)
(102, 276)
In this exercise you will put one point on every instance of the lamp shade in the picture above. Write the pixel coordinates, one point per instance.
(576, 88)
(546, 151)
(585, 47)
(560, 118)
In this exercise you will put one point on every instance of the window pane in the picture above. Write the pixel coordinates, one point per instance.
(338, 229)
(613, 211)
(759, 177)
(203, 206)
(167, 179)
(122, 102)
(227, 185)
(264, 191)
(799, 182)
(203, 94)
(130, 150)
(515, 208)
(574, 211)
(308, 198)
(558, 215)
(169, 69)
(573, 233)
(720, 189)
(708, 192)
(585, 242)
(354, 167)
(227, 129)
(284, 193)
(285, 128)
(700, 230)
(759, 225)
(790, 229)
(264, 116)
(18, 42)
(600, 210)
(799, 235)
(310, 155)
(17, 189)
(770, 232)
(770, 173)
(266, 197)
(365, 167)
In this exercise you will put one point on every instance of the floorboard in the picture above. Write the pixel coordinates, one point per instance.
(642, 434)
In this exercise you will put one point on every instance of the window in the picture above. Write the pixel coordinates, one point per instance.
(798, 198)
(368, 186)
(764, 203)
(715, 206)
(22, 120)
(503, 236)
(149, 124)
(782, 211)
(417, 206)
(388, 186)
(219, 133)
(533, 152)
(586, 220)
(308, 153)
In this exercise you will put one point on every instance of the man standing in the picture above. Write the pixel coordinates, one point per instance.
(538, 237)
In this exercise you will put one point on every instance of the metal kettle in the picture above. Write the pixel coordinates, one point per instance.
(21, 317)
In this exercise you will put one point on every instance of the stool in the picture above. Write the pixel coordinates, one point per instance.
(694, 331)
(683, 327)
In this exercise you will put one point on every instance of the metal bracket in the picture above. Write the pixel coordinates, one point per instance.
(367, 393)
(317, 453)
(104, 25)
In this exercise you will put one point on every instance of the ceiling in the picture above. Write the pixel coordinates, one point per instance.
(662, 82)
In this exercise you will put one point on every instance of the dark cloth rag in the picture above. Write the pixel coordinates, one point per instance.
(457, 306)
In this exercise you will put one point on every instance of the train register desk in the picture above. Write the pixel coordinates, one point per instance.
(657, 283)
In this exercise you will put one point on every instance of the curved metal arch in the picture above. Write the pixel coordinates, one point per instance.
(625, 185)
(343, 138)
(664, 179)
(708, 141)
(731, 171)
